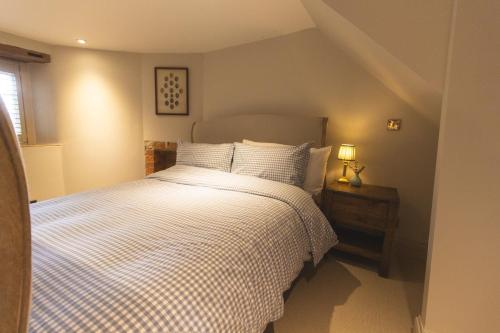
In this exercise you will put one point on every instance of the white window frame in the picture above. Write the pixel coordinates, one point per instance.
(24, 95)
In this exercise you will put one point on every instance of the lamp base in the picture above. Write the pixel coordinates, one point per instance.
(343, 180)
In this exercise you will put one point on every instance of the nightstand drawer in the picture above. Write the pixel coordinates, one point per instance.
(359, 211)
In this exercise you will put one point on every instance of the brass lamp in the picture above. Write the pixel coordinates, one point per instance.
(346, 153)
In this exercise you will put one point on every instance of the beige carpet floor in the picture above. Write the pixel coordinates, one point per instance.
(347, 297)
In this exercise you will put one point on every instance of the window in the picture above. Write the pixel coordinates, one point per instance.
(11, 92)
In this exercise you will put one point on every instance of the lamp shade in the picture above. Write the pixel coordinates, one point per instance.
(347, 152)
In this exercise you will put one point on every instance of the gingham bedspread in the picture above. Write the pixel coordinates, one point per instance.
(185, 250)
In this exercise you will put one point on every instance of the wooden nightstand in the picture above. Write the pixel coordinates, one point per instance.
(159, 155)
(165, 158)
(365, 220)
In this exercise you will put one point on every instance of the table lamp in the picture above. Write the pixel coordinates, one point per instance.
(346, 153)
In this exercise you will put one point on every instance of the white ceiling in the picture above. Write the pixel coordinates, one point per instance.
(153, 25)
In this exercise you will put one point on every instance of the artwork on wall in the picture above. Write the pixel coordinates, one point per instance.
(171, 91)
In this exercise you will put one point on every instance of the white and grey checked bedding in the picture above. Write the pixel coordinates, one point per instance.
(286, 164)
(186, 250)
(205, 155)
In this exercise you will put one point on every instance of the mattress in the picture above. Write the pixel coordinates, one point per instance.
(185, 250)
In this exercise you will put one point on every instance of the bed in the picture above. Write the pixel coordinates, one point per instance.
(186, 249)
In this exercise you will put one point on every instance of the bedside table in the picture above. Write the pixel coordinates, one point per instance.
(165, 158)
(365, 219)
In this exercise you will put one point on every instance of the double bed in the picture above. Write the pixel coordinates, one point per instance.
(187, 249)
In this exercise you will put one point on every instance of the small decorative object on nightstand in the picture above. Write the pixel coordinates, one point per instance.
(347, 153)
(365, 220)
(357, 169)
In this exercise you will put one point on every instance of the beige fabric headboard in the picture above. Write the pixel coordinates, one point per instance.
(291, 130)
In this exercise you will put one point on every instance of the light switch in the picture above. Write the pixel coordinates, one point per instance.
(393, 124)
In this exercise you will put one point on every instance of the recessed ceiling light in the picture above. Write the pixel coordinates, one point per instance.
(81, 41)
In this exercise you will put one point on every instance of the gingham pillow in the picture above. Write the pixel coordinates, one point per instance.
(316, 167)
(282, 164)
(205, 155)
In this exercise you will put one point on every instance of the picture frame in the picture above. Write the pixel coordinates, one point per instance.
(172, 91)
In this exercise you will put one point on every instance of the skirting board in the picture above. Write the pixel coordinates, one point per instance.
(418, 326)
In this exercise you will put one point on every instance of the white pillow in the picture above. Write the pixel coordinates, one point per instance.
(316, 167)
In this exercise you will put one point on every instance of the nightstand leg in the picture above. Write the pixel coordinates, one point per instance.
(383, 269)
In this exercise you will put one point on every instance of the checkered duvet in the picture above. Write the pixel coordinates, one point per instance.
(185, 250)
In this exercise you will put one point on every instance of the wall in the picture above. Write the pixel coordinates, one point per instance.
(44, 103)
(97, 100)
(304, 73)
(463, 272)
(90, 102)
(171, 128)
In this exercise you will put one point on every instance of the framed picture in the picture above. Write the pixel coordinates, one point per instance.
(171, 91)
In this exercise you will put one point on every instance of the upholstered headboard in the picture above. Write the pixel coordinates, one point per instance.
(285, 129)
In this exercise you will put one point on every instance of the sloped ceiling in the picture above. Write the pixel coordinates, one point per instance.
(413, 68)
(416, 32)
(149, 26)
(403, 43)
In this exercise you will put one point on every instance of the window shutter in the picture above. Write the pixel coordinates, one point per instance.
(10, 97)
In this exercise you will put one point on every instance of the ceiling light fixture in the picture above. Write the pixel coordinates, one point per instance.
(81, 41)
